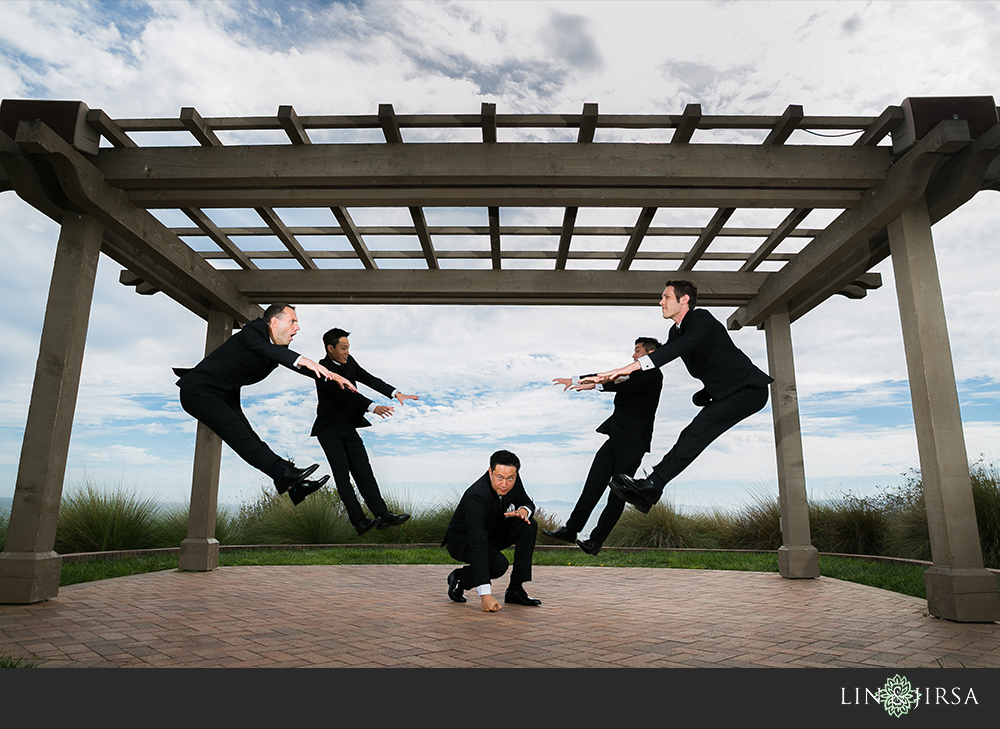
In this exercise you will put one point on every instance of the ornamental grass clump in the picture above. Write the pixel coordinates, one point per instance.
(174, 526)
(663, 527)
(273, 519)
(103, 520)
(851, 525)
(756, 524)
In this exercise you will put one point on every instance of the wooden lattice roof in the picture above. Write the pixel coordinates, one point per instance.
(236, 190)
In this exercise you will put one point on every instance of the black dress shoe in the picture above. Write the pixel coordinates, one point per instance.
(366, 525)
(388, 519)
(300, 490)
(562, 534)
(293, 476)
(518, 596)
(455, 586)
(639, 492)
(588, 545)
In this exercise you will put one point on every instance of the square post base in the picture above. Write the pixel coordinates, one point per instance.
(798, 562)
(28, 577)
(963, 595)
(199, 555)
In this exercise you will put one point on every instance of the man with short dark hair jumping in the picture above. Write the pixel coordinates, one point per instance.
(630, 434)
(733, 388)
(339, 414)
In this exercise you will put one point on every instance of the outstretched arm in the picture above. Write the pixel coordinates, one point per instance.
(611, 375)
(322, 372)
(401, 397)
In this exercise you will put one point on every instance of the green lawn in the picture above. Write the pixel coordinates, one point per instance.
(903, 578)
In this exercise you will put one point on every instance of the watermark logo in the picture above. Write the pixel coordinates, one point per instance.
(898, 697)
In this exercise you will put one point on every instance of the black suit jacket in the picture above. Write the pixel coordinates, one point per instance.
(708, 352)
(636, 400)
(340, 409)
(245, 358)
(481, 510)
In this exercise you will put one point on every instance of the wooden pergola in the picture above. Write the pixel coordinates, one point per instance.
(887, 179)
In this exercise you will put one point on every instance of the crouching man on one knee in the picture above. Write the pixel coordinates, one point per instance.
(494, 513)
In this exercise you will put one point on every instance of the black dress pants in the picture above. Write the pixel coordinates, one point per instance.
(611, 459)
(512, 530)
(224, 416)
(713, 420)
(347, 457)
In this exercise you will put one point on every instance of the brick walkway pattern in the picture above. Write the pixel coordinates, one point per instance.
(400, 616)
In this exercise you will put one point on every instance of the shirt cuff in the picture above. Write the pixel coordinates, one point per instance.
(483, 590)
(298, 362)
(371, 407)
(646, 363)
(394, 392)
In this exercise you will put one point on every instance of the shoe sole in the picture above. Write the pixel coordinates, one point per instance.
(386, 525)
(362, 532)
(630, 499)
(319, 483)
(588, 550)
(305, 474)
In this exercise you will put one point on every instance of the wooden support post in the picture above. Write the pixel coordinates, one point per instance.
(958, 587)
(29, 567)
(797, 557)
(200, 551)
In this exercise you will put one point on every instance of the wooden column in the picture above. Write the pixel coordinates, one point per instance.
(958, 587)
(200, 551)
(797, 557)
(29, 568)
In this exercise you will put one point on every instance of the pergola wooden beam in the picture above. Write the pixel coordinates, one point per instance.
(905, 183)
(512, 287)
(784, 229)
(472, 165)
(85, 187)
(209, 228)
(687, 125)
(292, 125)
(281, 232)
(646, 216)
(719, 219)
(354, 237)
(588, 125)
(541, 195)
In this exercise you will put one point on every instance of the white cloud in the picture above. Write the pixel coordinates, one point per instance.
(483, 372)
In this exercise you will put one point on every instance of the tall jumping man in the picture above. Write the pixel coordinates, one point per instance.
(211, 390)
(733, 388)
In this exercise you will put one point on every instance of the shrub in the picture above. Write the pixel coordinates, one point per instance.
(662, 527)
(850, 526)
(755, 525)
(986, 495)
(273, 519)
(173, 526)
(94, 520)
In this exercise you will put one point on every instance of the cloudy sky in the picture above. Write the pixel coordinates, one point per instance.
(483, 373)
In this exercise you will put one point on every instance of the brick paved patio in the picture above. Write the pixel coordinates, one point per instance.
(400, 616)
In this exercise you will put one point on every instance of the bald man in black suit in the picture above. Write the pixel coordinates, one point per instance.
(211, 393)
